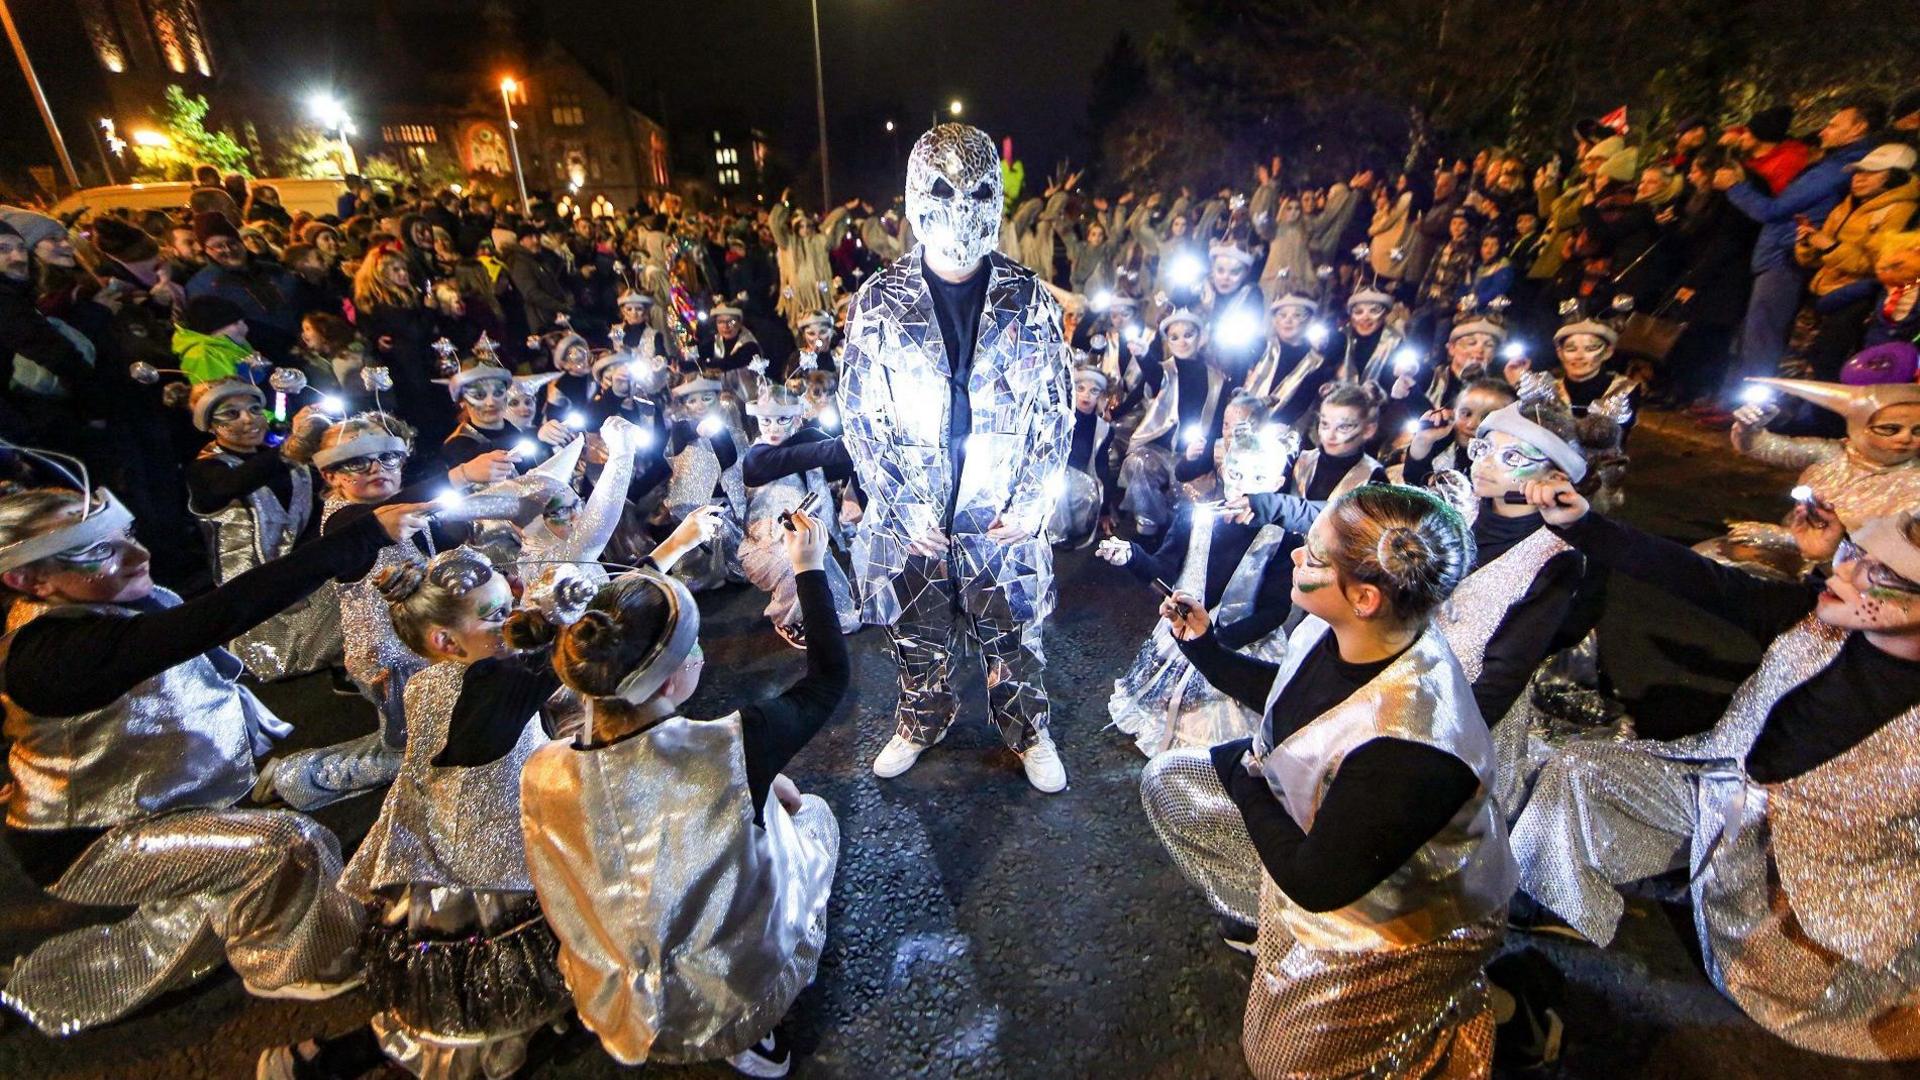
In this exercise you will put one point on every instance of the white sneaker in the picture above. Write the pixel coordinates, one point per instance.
(899, 755)
(308, 991)
(767, 1058)
(1043, 766)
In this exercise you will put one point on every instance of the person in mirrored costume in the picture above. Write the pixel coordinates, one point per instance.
(956, 401)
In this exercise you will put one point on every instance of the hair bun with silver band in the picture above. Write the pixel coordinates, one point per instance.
(674, 646)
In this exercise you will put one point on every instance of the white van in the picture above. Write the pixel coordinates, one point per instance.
(316, 197)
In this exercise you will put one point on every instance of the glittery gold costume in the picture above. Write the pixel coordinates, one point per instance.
(1806, 892)
(686, 930)
(1391, 984)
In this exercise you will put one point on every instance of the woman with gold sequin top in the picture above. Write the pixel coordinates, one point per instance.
(1358, 821)
(686, 879)
(1795, 811)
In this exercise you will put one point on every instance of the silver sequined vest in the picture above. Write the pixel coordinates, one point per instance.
(184, 738)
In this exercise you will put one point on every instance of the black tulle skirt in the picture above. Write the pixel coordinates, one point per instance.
(471, 986)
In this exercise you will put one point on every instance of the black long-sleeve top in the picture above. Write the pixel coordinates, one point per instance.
(497, 695)
(773, 731)
(1583, 394)
(1390, 796)
(468, 442)
(1817, 721)
(213, 484)
(117, 653)
(1190, 376)
(1230, 541)
(443, 534)
(808, 448)
(1526, 631)
(1328, 471)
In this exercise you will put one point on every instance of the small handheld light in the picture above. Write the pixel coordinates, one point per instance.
(1756, 395)
(332, 405)
(711, 425)
(576, 420)
(1801, 493)
(524, 449)
(1193, 435)
(1513, 350)
(1317, 334)
(1406, 362)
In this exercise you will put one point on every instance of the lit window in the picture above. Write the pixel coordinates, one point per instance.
(567, 110)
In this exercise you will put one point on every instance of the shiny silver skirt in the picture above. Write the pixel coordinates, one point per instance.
(1164, 703)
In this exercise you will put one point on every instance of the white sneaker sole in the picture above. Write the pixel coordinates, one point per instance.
(888, 773)
(307, 991)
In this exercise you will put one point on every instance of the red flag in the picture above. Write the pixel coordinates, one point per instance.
(1617, 120)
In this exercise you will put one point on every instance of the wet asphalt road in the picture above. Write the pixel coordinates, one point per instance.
(981, 929)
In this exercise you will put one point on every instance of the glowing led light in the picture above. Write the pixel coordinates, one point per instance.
(711, 425)
(1102, 300)
(643, 439)
(1412, 427)
(1193, 435)
(331, 403)
(1238, 328)
(449, 499)
(1317, 334)
(524, 449)
(1801, 493)
(830, 418)
(1055, 486)
(1756, 395)
(1186, 271)
(577, 421)
(1406, 361)
(1514, 350)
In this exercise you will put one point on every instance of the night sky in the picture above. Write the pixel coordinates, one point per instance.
(1022, 68)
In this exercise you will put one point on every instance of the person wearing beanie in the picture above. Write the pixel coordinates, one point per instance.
(1777, 279)
(44, 236)
(1767, 151)
(210, 341)
(131, 257)
(265, 292)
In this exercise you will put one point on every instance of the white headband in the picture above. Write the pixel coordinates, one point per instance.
(363, 445)
(225, 390)
(107, 521)
(1185, 315)
(1885, 538)
(767, 406)
(1287, 300)
(478, 372)
(1510, 420)
(695, 386)
(1231, 251)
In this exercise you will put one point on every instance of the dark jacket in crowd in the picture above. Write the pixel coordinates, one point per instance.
(265, 293)
(401, 338)
(541, 292)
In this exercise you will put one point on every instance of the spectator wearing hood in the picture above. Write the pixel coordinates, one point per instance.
(263, 291)
(1777, 279)
(1881, 199)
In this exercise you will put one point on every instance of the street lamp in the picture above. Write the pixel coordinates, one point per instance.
(955, 108)
(507, 88)
(820, 105)
(332, 116)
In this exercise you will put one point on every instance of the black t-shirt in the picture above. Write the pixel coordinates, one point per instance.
(957, 307)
